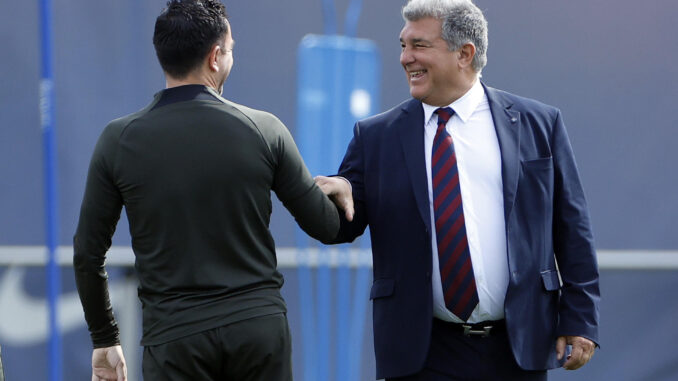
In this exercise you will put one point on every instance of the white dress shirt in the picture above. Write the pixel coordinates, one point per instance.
(479, 166)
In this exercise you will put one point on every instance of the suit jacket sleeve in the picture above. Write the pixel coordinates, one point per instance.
(573, 243)
(352, 168)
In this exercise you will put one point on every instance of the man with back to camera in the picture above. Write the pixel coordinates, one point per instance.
(475, 210)
(194, 172)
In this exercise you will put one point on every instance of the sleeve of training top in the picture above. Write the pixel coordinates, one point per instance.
(315, 213)
(99, 214)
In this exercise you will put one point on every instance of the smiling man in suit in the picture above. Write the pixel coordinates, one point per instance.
(484, 264)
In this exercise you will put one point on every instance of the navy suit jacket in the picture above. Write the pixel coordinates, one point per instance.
(547, 229)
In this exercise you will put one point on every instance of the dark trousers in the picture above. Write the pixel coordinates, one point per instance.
(454, 356)
(256, 349)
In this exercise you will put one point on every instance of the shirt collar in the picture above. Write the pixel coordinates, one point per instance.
(464, 106)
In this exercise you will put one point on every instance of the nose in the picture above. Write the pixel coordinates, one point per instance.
(406, 56)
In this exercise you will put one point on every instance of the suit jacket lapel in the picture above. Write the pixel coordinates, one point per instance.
(507, 125)
(410, 126)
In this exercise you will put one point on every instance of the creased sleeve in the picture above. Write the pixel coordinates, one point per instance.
(573, 243)
(315, 213)
(99, 216)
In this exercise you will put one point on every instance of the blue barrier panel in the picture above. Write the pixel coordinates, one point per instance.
(338, 84)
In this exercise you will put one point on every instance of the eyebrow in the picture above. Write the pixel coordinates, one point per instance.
(417, 40)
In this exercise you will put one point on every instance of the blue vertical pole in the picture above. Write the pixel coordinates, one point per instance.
(323, 320)
(342, 72)
(307, 305)
(352, 17)
(51, 196)
(360, 301)
(343, 308)
(329, 17)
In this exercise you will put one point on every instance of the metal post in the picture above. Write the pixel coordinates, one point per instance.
(51, 195)
(352, 17)
(329, 17)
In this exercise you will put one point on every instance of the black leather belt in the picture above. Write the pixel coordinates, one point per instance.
(482, 329)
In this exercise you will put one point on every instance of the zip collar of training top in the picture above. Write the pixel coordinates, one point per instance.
(185, 93)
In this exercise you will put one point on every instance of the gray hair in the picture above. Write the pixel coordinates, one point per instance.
(462, 21)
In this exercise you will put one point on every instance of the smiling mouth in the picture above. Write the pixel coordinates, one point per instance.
(416, 74)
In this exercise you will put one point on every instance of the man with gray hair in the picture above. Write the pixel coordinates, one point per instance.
(484, 264)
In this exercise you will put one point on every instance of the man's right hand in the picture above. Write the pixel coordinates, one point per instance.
(339, 191)
(108, 364)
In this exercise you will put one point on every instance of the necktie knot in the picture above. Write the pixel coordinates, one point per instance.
(444, 114)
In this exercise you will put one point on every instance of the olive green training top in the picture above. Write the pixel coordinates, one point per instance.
(195, 173)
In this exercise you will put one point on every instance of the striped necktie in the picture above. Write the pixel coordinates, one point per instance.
(456, 269)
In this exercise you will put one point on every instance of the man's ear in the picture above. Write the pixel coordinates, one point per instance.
(213, 56)
(466, 54)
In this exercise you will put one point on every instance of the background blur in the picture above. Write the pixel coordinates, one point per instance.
(609, 65)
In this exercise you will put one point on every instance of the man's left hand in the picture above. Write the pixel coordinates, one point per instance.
(582, 351)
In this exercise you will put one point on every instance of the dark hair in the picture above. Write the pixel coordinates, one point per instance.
(185, 32)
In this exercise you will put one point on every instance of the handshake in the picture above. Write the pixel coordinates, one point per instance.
(339, 191)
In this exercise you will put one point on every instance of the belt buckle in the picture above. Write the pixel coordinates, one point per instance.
(476, 332)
